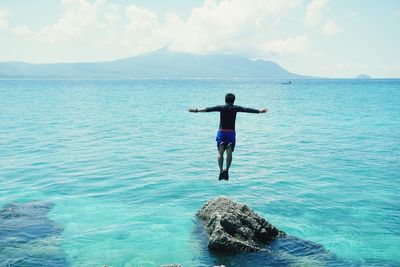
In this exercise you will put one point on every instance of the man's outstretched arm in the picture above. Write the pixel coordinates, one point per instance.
(251, 110)
(216, 108)
(197, 110)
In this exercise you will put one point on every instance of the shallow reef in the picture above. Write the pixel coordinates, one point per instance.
(29, 237)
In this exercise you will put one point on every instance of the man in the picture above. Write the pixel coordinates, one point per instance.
(226, 135)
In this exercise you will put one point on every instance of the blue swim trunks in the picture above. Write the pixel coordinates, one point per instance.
(226, 138)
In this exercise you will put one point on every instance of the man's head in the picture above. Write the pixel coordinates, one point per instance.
(230, 98)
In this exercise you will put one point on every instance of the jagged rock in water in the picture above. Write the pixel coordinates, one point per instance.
(234, 227)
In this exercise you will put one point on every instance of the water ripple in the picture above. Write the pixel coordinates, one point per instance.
(127, 167)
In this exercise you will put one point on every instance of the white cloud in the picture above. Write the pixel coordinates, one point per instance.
(331, 28)
(4, 14)
(314, 11)
(249, 28)
(111, 14)
(22, 31)
(287, 46)
(396, 13)
(142, 31)
(81, 19)
(350, 14)
(227, 26)
(78, 16)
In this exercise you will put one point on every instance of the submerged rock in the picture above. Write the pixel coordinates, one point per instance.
(235, 227)
(285, 251)
(23, 222)
(28, 237)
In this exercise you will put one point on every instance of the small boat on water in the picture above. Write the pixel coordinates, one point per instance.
(287, 83)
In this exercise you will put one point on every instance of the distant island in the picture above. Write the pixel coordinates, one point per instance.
(363, 76)
(159, 64)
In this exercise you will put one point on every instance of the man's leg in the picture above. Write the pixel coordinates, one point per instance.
(229, 151)
(221, 151)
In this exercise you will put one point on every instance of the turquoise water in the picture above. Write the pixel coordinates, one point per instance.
(127, 167)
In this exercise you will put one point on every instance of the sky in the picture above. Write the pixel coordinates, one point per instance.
(327, 38)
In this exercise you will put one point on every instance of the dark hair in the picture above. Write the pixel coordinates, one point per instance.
(230, 98)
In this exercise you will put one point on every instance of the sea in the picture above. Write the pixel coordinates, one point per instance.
(112, 172)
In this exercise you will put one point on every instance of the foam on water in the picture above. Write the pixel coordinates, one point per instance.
(127, 166)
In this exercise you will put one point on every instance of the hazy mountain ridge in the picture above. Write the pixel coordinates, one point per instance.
(159, 64)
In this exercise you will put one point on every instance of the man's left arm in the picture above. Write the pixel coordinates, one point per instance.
(251, 110)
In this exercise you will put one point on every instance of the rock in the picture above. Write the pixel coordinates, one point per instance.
(234, 227)
(23, 222)
(28, 237)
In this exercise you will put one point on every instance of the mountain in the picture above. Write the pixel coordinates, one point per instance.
(363, 77)
(159, 64)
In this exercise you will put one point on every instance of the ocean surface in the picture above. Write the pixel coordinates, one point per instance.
(112, 172)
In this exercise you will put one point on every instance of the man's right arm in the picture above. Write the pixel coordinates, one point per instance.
(210, 109)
